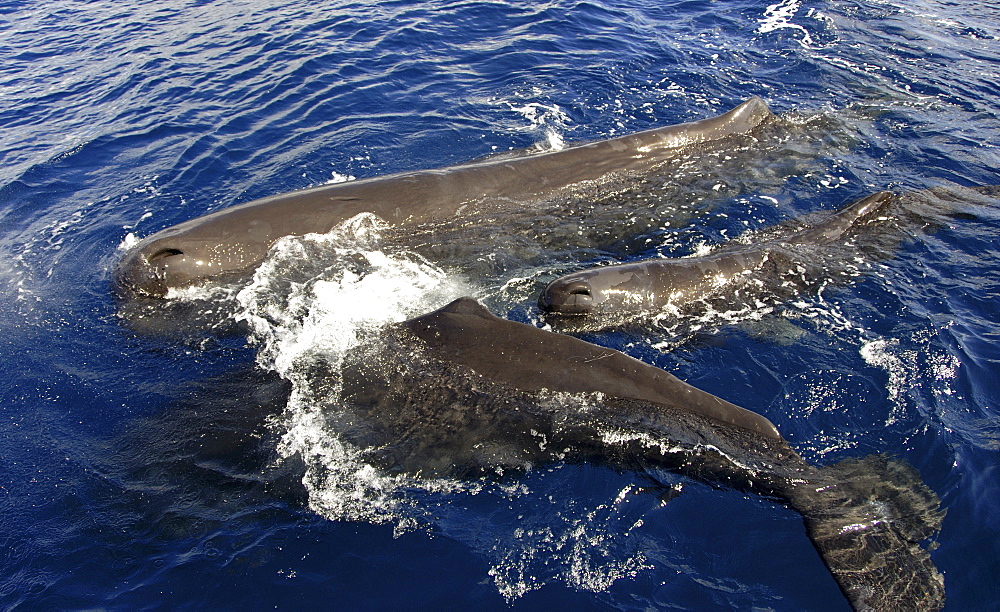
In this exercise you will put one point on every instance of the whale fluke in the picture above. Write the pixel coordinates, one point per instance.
(867, 525)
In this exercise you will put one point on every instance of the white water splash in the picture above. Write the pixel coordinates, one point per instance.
(314, 299)
(346, 284)
(336, 177)
(910, 369)
(580, 551)
(129, 241)
(549, 119)
(569, 544)
(778, 16)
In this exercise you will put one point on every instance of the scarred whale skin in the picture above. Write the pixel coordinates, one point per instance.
(237, 239)
(459, 389)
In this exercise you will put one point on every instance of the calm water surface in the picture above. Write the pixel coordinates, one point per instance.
(153, 456)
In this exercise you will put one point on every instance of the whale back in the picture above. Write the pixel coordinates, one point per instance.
(532, 359)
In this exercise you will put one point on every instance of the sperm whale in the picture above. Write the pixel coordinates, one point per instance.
(459, 391)
(237, 239)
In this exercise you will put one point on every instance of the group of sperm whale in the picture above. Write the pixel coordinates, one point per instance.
(465, 391)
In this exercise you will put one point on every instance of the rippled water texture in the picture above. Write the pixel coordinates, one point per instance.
(187, 453)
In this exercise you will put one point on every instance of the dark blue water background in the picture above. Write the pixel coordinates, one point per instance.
(129, 478)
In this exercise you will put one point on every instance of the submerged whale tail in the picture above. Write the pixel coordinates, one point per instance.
(867, 518)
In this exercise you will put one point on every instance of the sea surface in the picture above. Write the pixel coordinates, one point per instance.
(175, 454)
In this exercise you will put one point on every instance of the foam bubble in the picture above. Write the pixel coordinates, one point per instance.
(910, 369)
(778, 16)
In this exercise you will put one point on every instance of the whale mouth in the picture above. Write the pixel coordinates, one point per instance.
(567, 297)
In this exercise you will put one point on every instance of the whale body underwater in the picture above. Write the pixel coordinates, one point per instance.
(653, 285)
(871, 227)
(459, 390)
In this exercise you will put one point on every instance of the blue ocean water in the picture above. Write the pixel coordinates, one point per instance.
(142, 461)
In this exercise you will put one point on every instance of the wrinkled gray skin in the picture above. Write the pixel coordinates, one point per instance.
(655, 284)
(459, 391)
(237, 239)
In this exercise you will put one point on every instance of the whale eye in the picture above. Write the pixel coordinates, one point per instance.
(164, 253)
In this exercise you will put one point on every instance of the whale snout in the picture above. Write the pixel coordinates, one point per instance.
(150, 270)
(136, 274)
(173, 259)
(567, 296)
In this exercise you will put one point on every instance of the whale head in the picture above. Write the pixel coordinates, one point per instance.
(169, 260)
(570, 295)
(228, 242)
(630, 287)
(151, 269)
